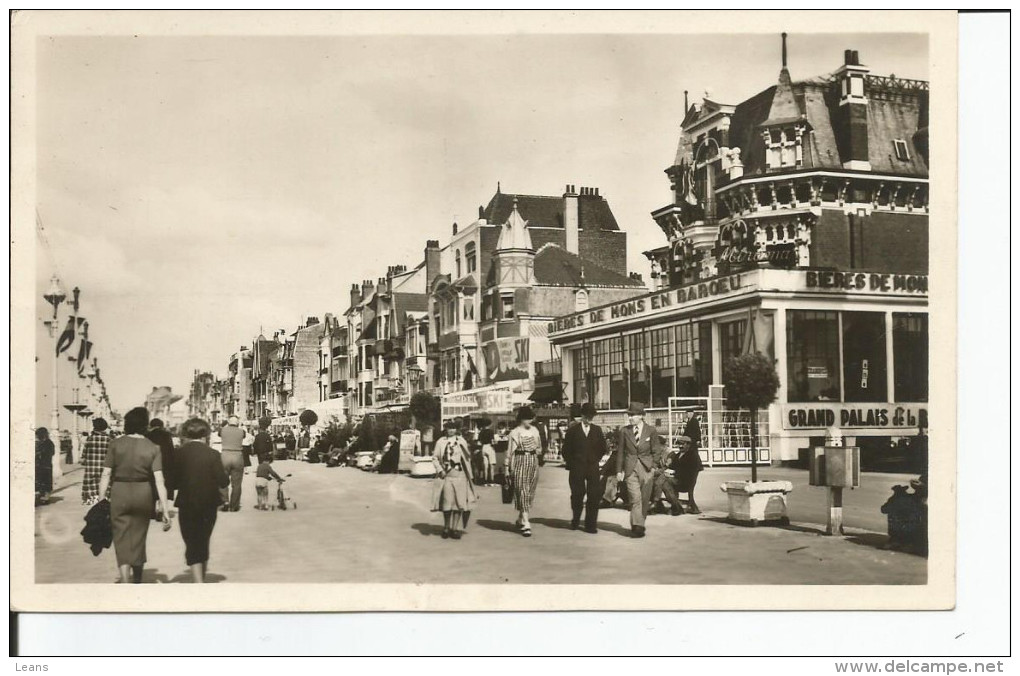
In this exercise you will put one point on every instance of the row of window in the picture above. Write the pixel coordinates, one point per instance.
(470, 258)
(815, 341)
(652, 366)
(831, 356)
(445, 312)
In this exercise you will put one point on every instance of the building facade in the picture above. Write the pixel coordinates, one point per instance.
(526, 260)
(798, 228)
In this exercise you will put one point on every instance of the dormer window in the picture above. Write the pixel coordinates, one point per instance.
(901, 150)
(783, 147)
(580, 300)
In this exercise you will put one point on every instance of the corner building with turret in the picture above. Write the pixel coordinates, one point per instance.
(798, 228)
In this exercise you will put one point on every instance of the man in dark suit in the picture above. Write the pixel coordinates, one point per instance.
(639, 452)
(583, 448)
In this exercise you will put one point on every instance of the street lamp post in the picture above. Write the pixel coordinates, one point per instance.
(55, 296)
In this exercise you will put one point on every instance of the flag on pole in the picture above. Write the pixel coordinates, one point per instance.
(83, 355)
(66, 339)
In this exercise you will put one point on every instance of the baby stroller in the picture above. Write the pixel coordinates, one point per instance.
(283, 501)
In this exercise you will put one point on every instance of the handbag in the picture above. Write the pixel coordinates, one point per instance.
(508, 489)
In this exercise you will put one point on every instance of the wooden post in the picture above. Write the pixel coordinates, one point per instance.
(835, 511)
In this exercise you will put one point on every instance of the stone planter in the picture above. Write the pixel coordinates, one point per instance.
(423, 467)
(759, 502)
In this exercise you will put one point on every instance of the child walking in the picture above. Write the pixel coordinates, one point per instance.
(263, 474)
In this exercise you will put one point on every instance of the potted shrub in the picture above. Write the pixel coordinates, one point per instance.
(752, 383)
(425, 412)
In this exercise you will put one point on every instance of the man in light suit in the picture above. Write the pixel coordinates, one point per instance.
(583, 448)
(639, 453)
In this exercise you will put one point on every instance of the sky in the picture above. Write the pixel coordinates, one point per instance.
(201, 189)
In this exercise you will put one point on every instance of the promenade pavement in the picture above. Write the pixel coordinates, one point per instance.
(353, 526)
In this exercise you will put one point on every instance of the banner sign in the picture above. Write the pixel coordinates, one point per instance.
(648, 305)
(867, 281)
(495, 400)
(849, 416)
(507, 358)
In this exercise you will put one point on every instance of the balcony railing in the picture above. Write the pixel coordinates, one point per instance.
(549, 367)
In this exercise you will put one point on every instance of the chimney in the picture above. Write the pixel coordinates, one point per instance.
(455, 227)
(355, 294)
(432, 265)
(367, 287)
(852, 117)
(570, 221)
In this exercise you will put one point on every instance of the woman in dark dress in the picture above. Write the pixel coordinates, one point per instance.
(132, 464)
(44, 452)
(390, 462)
(198, 478)
(689, 465)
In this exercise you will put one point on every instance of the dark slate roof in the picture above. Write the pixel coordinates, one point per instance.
(890, 117)
(411, 302)
(546, 211)
(555, 266)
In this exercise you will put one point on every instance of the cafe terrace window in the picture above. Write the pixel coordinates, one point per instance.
(663, 357)
(864, 362)
(812, 354)
(694, 359)
(731, 342)
(637, 362)
(910, 356)
(582, 374)
(618, 393)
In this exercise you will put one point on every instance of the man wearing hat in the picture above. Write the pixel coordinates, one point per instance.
(583, 448)
(667, 482)
(640, 450)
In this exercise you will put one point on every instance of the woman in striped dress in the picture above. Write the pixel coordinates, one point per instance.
(521, 465)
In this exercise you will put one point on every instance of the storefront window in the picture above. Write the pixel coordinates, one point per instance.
(582, 374)
(864, 368)
(812, 354)
(663, 349)
(731, 337)
(618, 397)
(693, 351)
(910, 356)
(637, 363)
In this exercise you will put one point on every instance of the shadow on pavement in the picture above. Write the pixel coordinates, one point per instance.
(52, 500)
(563, 524)
(64, 488)
(505, 526)
(210, 578)
(153, 576)
(428, 528)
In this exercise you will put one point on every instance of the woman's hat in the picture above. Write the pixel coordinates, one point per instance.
(450, 425)
(525, 413)
(636, 408)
